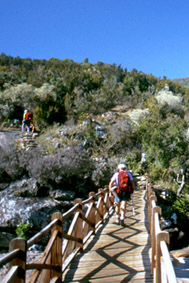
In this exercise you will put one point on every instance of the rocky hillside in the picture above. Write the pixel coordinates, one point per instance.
(182, 81)
(8, 137)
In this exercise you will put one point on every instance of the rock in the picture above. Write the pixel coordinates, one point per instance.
(174, 218)
(100, 133)
(7, 138)
(64, 132)
(57, 145)
(25, 188)
(141, 183)
(62, 195)
(36, 212)
(30, 209)
(165, 224)
(5, 238)
(141, 178)
(158, 187)
(180, 253)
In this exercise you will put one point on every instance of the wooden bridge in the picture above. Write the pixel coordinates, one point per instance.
(95, 248)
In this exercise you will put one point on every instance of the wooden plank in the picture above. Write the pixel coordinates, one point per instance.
(138, 266)
(119, 243)
(97, 255)
(114, 276)
(103, 270)
(122, 258)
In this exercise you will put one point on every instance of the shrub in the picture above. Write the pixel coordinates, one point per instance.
(182, 206)
(137, 114)
(166, 97)
(22, 230)
(63, 168)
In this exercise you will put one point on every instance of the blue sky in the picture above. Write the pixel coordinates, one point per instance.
(149, 35)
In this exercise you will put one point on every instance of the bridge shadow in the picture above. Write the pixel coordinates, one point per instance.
(116, 253)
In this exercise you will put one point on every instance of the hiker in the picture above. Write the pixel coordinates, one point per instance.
(32, 127)
(122, 186)
(24, 120)
(28, 120)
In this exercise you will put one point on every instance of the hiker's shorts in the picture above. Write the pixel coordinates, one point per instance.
(123, 196)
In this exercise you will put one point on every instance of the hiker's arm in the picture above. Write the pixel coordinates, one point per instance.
(111, 184)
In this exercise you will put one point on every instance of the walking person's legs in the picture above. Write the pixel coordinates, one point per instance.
(117, 211)
(23, 127)
(123, 211)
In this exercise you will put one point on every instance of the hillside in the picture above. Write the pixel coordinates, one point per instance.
(182, 81)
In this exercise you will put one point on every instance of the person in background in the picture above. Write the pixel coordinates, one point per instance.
(24, 121)
(28, 120)
(121, 197)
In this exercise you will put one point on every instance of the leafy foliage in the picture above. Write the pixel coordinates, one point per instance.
(22, 230)
(182, 206)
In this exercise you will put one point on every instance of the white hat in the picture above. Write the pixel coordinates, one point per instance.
(25, 110)
(121, 166)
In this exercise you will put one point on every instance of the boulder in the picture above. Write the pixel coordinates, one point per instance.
(24, 188)
(19, 203)
(62, 195)
(180, 253)
(5, 238)
(34, 211)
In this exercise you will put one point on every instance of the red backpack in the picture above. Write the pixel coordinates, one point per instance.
(29, 116)
(123, 182)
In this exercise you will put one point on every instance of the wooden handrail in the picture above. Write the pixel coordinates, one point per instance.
(57, 256)
(70, 211)
(42, 233)
(46, 253)
(159, 240)
(11, 275)
(8, 257)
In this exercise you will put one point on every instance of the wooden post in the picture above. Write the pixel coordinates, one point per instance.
(101, 207)
(79, 225)
(152, 198)
(147, 186)
(106, 203)
(92, 217)
(56, 254)
(20, 261)
(161, 236)
(155, 209)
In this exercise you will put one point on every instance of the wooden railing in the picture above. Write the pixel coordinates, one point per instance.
(161, 265)
(85, 218)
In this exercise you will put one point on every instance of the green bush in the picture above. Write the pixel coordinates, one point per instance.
(22, 230)
(182, 205)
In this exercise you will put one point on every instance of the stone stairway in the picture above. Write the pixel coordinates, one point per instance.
(29, 141)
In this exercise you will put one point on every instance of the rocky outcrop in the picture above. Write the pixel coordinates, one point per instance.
(8, 137)
(25, 201)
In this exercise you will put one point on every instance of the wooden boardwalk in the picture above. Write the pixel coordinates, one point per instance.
(116, 253)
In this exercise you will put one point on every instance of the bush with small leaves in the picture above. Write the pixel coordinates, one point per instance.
(22, 230)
